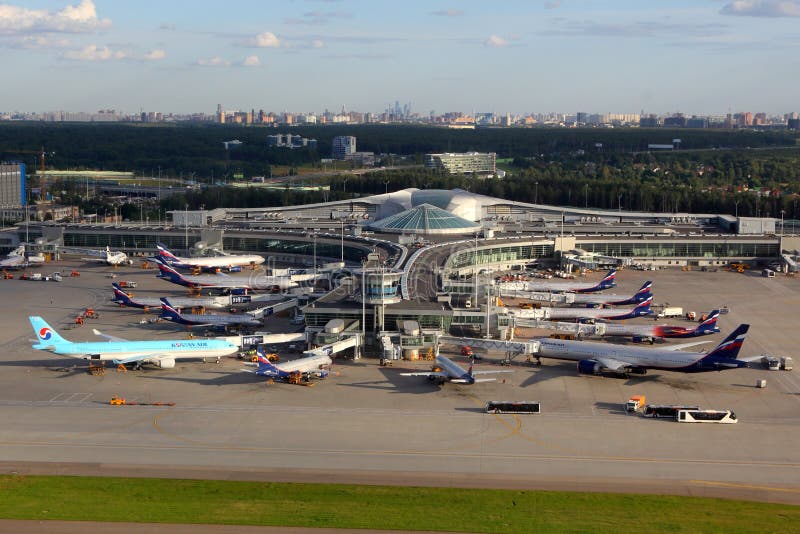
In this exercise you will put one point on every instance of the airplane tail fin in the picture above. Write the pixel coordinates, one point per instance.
(708, 326)
(606, 282)
(645, 291)
(120, 296)
(265, 367)
(643, 308)
(164, 253)
(731, 345)
(45, 334)
(168, 312)
(168, 272)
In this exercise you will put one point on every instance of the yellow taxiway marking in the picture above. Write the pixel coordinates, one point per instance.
(743, 486)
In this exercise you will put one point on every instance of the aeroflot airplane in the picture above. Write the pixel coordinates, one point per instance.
(651, 333)
(161, 353)
(585, 299)
(594, 358)
(222, 281)
(609, 314)
(206, 319)
(223, 261)
(308, 367)
(452, 372)
(576, 287)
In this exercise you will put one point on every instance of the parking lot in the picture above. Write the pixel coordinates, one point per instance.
(369, 422)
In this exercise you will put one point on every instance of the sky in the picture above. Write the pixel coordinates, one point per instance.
(506, 56)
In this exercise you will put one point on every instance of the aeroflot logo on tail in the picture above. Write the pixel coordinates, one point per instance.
(45, 333)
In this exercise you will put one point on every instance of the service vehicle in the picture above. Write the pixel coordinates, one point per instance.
(670, 311)
(787, 363)
(707, 416)
(635, 403)
(665, 410)
(771, 362)
(513, 407)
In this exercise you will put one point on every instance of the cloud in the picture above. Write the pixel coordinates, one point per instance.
(36, 42)
(318, 17)
(94, 53)
(154, 55)
(263, 40)
(762, 8)
(552, 4)
(495, 42)
(213, 62)
(448, 13)
(251, 61)
(167, 27)
(317, 43)
(81, 18)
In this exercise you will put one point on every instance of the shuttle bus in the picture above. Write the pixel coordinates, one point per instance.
(513, 407)
(665, 410)
(706, 416)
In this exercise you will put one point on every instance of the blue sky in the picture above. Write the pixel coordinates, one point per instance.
(621, 56)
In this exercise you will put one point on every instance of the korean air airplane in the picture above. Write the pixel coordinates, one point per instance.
(161, 353)
(222, 261)
(450, 371)
(594, 358)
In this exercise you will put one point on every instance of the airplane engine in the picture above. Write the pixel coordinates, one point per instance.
(588, 367)
(638, 370)
(166, 363)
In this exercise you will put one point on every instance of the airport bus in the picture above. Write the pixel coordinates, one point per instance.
(513, 407)
(706, 416)
(665, 410)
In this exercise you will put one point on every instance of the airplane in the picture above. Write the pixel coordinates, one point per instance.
(575, 287)
(606, 314)
(16, 259)
(161, 353)
(110, 258)
(587, 299)
(651, 333)
(169, 313)
(223, 261)
(124, 298)
(452, 372)
(593, 358)
(307, 367)
(222, 281)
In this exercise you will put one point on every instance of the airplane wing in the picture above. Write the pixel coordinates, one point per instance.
(475, 373)
(428, 373)
(682, 346)
(135, 359)
(750, 358)
(107, 336)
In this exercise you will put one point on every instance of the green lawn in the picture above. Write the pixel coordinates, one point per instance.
(378, 507)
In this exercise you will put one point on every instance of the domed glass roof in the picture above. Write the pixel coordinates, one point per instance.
(425, 219)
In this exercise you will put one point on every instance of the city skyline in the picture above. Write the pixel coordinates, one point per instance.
(695, 57)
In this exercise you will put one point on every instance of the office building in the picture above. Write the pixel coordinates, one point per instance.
(343, 145)
(12, 184)
(463, 163)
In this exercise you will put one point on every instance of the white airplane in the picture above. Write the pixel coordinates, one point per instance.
(110, 258)
(222, 261)
(316, 366)
(223, 281)
(576, 287)
(607, 314)
(16, 259)
(161, 353)
(594, 358)
(452, 372)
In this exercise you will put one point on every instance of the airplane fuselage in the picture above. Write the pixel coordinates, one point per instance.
(118, 350)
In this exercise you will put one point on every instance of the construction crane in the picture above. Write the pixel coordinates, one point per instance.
(42, 177)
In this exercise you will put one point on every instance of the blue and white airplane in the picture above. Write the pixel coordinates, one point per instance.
(607, 314)
(221, 261)
(594, 358)
(222, 281)
(450, 371)
(161, 353)
(206, 319)
(316, 366)
(575, 287)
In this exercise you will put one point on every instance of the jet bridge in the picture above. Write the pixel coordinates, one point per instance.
(333, 348)
(512, 347)
(246, 341)
(260, 313)
(577, 329)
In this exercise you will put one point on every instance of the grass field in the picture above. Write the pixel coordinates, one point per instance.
(377, 507)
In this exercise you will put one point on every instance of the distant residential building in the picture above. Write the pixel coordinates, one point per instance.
(697, 122)
(361, 159)
(675, 121)
(793, 124)
(463, 163)
(582, 117)
(343, 145)
(290, 141)
(649, 121)
(12, 184)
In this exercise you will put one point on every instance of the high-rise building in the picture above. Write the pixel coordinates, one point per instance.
(343, 145)
(12, 184)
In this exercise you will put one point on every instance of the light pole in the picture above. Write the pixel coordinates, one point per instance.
(342, 221)
(782, 212)
(186, 227)
(536, 193)
(344, 185)
(736, 203)
(586, 192)
(386, 183)
(619, 202)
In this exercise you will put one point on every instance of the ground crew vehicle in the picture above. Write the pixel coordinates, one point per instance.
(635, 403)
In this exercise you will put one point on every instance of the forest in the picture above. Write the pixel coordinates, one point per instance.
(744, 172)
